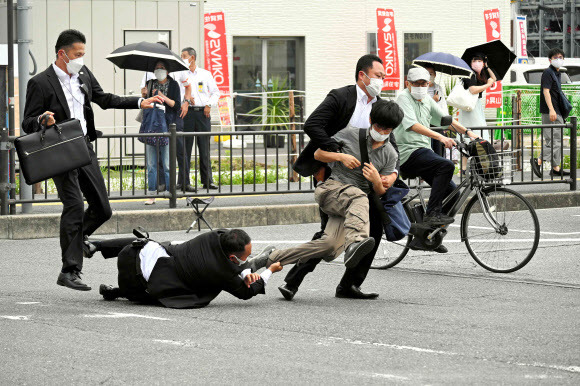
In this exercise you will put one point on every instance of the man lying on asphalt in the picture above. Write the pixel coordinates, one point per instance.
(344, 195)
(183, 275)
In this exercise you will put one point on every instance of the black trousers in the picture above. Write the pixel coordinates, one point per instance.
(130, 279)
(436, 171)
(195, 121)
(352, 276)
(75, 221)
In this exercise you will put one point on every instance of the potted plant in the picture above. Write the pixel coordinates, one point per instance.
(277, 111)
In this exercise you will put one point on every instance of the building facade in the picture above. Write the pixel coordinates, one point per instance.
(313, 45)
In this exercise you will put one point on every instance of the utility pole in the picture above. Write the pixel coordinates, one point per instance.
(24, 40)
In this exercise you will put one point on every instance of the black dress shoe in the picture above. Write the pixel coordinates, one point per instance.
(72, 280)
(356, 251)
(210, 186)
(441, 249)
(288, 291)
(89, 248)
(190, 188)
(109, 292)
(560, 173)
(536, 167)
(354, 292)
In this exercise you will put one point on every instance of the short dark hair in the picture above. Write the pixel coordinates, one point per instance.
(386, 114)
(67, 38)
(234, 241)
(555, 51)
(190, 51)
(365, 62)
(163, 44)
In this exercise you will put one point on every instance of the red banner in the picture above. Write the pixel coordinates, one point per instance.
(493, 95)
(387, 48)
(492, 27)
(216, 51)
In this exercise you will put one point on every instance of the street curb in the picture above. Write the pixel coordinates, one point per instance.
(27, 226)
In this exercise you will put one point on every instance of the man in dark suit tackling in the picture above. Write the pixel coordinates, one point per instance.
(341, 107)
(65, 90)
(184, 275)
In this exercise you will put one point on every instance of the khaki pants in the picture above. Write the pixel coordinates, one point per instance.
(348, 209)
(552, 141)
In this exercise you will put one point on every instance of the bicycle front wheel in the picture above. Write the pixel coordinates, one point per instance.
(501, 229)
(390, 253)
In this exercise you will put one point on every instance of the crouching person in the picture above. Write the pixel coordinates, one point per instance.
(344, 197)
(184, 275)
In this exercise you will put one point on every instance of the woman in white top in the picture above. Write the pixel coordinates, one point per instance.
(483, 79)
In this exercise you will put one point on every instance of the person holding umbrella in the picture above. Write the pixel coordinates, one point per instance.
(482, 79)
(156, 148)
(65, 90)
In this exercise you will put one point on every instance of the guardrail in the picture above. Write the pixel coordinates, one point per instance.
(243, 164)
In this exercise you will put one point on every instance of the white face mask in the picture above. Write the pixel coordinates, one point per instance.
(557, 63)
(378, 137)
(239, 261)
(160, 74)
(74, 66)
(419, 92)
(432, 79)
(375, 87)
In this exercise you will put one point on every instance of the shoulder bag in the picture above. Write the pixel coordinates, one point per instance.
(461, 98)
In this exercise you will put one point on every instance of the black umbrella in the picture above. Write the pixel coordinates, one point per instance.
(144, 56)
(499, 57)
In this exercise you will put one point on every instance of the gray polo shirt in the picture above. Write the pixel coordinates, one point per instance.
(384, 158)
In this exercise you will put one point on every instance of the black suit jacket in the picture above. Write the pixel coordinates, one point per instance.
(44, 93)
(331, 116)
(197, 271)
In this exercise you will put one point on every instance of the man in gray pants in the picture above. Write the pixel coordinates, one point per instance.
(343, 196)
(551, 108)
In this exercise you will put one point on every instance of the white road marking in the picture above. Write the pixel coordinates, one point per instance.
(26, 303)
(297, 242)
(186, 343)
(119, 315)
(13, 317)
(519, 230)
(570, 369)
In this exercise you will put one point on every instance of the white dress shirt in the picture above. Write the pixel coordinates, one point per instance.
(71, 86)
(149, 255)
(264, 275)
(181, 77)
(362, 111)
(204, 89)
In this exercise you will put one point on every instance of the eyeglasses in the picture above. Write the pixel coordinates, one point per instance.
(420, 83)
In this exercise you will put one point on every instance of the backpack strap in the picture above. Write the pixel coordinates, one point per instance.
(373, 198)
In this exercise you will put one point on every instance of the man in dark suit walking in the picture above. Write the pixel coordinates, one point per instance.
(65, 90)
(184, 275)
(341, 107)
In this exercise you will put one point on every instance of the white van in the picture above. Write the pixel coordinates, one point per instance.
(528, 74)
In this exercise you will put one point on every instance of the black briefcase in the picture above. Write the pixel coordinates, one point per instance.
(52, 151)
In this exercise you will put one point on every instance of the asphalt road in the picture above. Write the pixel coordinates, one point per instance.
(440, 319)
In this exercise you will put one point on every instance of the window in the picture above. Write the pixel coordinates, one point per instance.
(265, 64)
(372, 43)
(415, 44)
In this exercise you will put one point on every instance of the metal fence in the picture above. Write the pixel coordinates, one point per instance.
(244, 164)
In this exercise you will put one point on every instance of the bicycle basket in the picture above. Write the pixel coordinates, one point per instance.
(495, 167)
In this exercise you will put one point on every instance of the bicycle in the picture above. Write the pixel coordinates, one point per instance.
(491, 219)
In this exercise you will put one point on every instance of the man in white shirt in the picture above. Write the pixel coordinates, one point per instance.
(184, 275)
(65, 90)
(204, 96)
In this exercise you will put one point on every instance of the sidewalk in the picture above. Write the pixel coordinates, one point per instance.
(226, 211)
